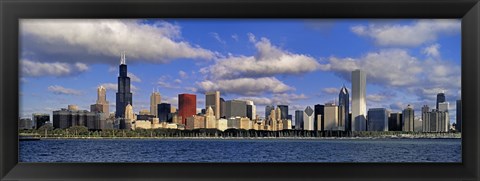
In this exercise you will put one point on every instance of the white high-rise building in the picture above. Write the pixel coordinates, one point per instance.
(308, 119)
(155, 100)
(359, 104)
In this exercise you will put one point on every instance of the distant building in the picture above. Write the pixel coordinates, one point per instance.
(222, 124)
(287, 124)
(377, 119)
(212, 99)
(284, 109)
(210, 119)
(25, 124)
(443, 106)
(439, 121)
(308, 119)
(440, 99)
(66, 118)
(298, 119)
(395, 122)
(195, 122)
(319, 110)
(408, 118)
(164, 112)
(344, 101)
(418, 125)
(426, 118)
(235, 108)
(187, 106)
(233, 122)
(268, 109)
(123, 96)
(458, 125)
(40, 119)
(101, 105)
(251, 110)
(155, 99)
(331, 117)
(222, 108)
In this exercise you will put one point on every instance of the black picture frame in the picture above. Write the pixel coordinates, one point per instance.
(12, 11)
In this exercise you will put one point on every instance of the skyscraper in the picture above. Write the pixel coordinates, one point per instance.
(101, 106)
(187, 106)
(440, 99)
(395, 122)
(458, 125)
(40, 119)
(123, 96)
(155, 99)
(251, 110)
(164, 112)
(425, 118)
(308, 119)
(408, 119)
(343, 100)
(284, 109)
(377, 119)
(268, 109)
(222, 108)
(330, 117)
(319, 110)
(359, 104)
(298, 119)
(235, 108)
(443, 106)
(212, 99)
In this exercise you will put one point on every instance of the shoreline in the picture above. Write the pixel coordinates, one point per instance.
(245, 138)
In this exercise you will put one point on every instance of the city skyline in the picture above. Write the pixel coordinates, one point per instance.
(316, 78)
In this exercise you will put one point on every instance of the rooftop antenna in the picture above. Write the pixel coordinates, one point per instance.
(123, 60)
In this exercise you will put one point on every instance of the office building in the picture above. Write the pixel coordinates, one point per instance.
(222, 108)
(235, 108)
(344, 105)
(251, 110)
(359, 104)
(330, 117)
(308, 119)
(425, 118)
(377, 119)
(66, 118)
(408, 119)
(123, 96)
(164, 112)
(40, 119)
(187, 106)
(458, 125)
(318, 124)
(268, 109)
(222, 124)
(299, 120)
(101, 105)
(210, 119)
(155, 99)
(438, 122)
(195, 122)
(212, 99)
(440, 99)
(395, 122)
(25, 124)
(443, 106)
(284, 109)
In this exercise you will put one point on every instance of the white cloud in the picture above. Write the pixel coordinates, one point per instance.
(178, 81)
(216, 36)
(269, 60)
(159, 42)
(133, 77)
(276, 99)
(235, 37)
(114, 87)
(330, 90)
(432, 50)
(165, 81)
(415, 34)
(245, 86)
(56, 89)
(36, 69)
(183, 74)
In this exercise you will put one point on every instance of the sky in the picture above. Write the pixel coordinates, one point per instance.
(298, 62)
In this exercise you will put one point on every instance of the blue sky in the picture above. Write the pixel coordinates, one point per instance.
(299, 62)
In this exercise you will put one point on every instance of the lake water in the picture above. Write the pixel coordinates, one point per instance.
(242, 150)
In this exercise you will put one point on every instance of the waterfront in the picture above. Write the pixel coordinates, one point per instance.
(241, 150)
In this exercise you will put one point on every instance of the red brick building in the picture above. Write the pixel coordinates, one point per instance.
(187, 106)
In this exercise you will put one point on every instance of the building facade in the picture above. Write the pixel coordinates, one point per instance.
(408, 118)
(155, 99)
(212, 99)
(359, 104)
(319, 110)
(284, 109)
(308, 119)
(123, 96)
(187, 106)
(40, 119)
(331, 117)
(164, 112)
(377, 119)
(298, 119)
(235, 108)
(344, 101)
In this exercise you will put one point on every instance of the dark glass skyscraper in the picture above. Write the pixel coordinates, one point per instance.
(440, 98)
(284, 109)
(124, 96)
(163, 112)
(319, 109)
(343, 100)
(268, 110)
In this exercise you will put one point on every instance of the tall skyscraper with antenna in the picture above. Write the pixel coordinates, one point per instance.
(124, 96)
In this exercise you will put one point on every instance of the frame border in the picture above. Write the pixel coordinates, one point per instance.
(12, 11)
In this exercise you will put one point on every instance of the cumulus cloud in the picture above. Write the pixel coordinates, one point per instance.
(276, 99)
(35, 68)
(245, 86)
(165, 81)
(56, 89)
(159, 42)
(268, 61)
(415, 34)
(432, 50)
